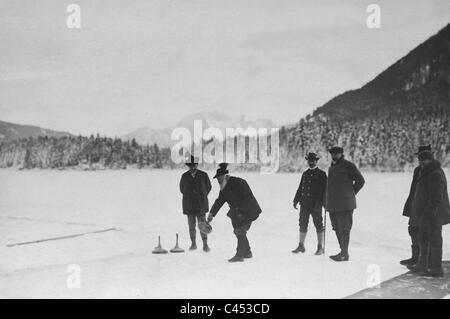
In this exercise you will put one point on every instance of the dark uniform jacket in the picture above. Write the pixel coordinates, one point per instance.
(311, 190)
(344, 182)
(412, 190)
(430, 196)
(239, 196)
(195, 192)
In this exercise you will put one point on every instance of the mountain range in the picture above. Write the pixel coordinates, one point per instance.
(214, 118)
(425, 70)
(380, 125)
(11, 131)
(147, 135)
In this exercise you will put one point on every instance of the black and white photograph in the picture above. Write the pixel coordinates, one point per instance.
(241, 151)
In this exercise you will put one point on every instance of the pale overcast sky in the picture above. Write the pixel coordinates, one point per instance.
(150, 62)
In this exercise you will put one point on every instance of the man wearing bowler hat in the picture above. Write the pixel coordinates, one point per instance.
(413, 231)
(344, 182)
(244, 209)
(195, 187)
(310, 195)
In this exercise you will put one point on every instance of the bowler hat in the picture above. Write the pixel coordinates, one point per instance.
(222, 170)
(192, 162)
(425, 155)
(423, 148)
(336, 149)
(312, 157)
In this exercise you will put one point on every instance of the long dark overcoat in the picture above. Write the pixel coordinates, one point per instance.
(195, 193)
(412, 190)
(242, 202)
(430, 196)
(344, 182)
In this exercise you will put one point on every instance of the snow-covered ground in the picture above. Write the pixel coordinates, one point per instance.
(142, 204)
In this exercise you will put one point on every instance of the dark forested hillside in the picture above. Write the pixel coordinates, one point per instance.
(81, 152)
(381, 124)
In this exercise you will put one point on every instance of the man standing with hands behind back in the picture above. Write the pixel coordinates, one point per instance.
(344, 182)
(195, 187)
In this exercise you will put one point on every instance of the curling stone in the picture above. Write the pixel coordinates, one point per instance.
(177, 248)
(158, 249)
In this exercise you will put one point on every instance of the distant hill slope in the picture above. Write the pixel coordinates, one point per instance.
(381, 124)
(420, 77)
(147, 135)
(10, 131)
(150, 136)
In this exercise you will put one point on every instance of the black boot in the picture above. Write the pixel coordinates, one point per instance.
(193, 246)
(435, 263)
(435, 273)
(320, 242)
(340, 257)
(246, 249)
(414, 258)
(236, 258)
(344, 242)
(319, 250)
(300, 248)
(239, 250)
(301, 244)
(247, 252)
(422, 263)
(339, 238)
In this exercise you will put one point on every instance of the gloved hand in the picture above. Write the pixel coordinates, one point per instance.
(295, 205)
(210, 218)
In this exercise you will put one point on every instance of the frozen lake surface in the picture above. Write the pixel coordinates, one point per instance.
(142, 204)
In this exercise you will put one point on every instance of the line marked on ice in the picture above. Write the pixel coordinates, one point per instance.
(61, 237)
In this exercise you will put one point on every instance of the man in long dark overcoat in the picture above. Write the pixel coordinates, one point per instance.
(344, 182)
(430, 211)
(195, 187)
(244, 209)
(413, 231)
